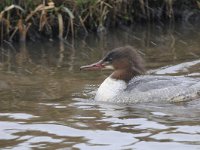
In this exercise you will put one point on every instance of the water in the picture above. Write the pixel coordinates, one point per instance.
(47, 103)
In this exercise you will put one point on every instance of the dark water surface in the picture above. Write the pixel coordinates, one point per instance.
(47, 103)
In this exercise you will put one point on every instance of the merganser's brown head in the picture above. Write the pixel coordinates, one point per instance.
(125, 61)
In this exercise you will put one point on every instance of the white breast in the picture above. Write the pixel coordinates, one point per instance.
(109, 89)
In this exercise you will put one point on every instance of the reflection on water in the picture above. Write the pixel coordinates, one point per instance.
(46, 102)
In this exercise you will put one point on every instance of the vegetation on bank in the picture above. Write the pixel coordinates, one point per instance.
(32, 19)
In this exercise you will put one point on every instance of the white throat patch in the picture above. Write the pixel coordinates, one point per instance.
(109, 89)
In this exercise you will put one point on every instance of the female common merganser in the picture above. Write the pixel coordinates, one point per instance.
(128, 84)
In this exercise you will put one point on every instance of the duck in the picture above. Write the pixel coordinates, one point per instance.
(129, 83)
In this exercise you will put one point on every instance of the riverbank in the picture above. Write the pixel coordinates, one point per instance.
(22, 20)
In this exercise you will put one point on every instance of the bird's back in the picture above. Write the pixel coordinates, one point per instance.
(149, 88)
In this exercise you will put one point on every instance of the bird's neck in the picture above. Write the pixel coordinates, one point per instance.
(124, 74)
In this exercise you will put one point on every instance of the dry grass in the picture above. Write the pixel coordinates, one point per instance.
(64, 18)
